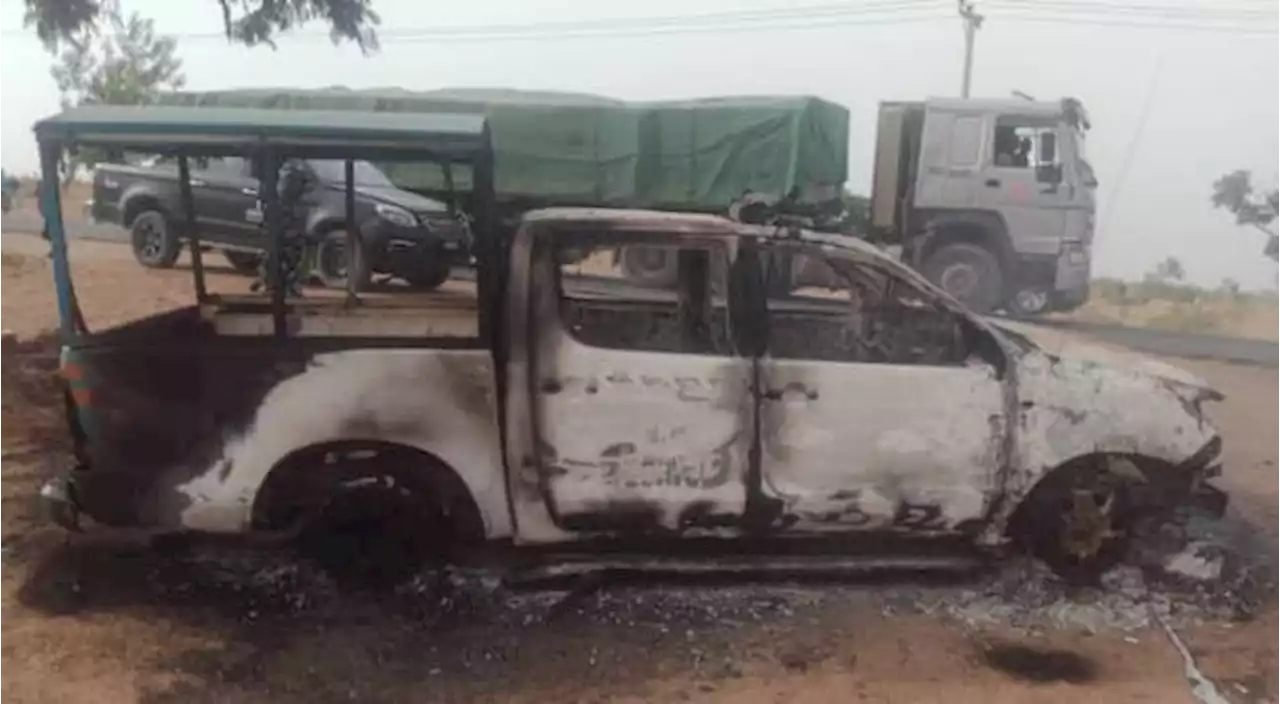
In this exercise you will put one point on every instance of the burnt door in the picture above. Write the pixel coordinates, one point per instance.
(644, 411)
(878, 410)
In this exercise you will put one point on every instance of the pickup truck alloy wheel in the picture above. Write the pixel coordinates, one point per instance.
(154, 244)
(332, 261)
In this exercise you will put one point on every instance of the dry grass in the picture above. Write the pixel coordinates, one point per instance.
(1184, 310)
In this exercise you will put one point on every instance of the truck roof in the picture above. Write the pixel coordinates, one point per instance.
(677, 223)
(1047, 108)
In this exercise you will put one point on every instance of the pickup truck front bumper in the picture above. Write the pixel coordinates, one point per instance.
(386, 241)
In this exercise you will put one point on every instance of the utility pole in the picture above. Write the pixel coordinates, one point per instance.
(972, 21)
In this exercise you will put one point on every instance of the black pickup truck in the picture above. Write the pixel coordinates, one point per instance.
(403, 234)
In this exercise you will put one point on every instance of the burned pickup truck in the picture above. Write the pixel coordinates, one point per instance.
(564, 412)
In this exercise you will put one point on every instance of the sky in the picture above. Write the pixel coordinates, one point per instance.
(1172, 109)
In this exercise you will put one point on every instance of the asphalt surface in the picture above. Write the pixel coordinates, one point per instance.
(1163, 342)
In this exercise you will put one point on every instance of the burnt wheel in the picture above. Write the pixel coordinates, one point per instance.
(1079, 524)
(375, 533)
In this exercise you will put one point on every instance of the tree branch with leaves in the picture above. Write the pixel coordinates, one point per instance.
(125, 63)
(1235, 193)
(249, 22)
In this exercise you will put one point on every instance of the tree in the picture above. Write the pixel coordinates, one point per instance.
(250, 22)
(127, 64)
(1168, 271)
(1235, 193)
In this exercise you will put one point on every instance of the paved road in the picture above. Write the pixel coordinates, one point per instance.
(1174, 344)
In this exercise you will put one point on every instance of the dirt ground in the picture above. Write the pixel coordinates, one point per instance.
(95, 620)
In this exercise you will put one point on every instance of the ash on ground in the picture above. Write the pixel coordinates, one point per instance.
(1222, 575)
(1223, 570)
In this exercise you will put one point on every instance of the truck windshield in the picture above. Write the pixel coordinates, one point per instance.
(366, 174)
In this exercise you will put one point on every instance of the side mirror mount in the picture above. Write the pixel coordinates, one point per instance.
(1048, 148)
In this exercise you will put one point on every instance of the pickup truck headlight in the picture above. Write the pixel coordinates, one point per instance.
(395, 215)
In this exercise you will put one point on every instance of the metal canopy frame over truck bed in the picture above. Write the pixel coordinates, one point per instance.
(270, 138)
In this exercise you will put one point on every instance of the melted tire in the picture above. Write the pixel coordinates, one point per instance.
(375, 536)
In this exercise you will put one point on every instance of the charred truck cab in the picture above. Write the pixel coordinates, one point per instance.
(993, 200)
(858, 415)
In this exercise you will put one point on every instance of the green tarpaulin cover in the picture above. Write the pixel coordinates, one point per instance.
(575, 149)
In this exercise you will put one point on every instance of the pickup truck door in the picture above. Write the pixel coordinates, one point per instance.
(875, 413)
(644, 412)
(226, 200)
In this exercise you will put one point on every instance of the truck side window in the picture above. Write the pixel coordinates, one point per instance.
(1017, 142)
(841, 311)
(677, 305)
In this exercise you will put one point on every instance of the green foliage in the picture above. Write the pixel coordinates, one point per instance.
(251, 22)
(1235, 193)
(125, 63)
(1167, 271)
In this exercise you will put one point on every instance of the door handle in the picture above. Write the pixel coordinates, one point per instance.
(777, 394)
(992, 183)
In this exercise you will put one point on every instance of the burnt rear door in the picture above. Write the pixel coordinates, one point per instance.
(644, 410)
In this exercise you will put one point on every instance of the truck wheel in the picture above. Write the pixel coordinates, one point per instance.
(967, 272)
(332, 262)
(153, 241)
(375, 533)
(651, 267)
(1028, 303)
(243, 262)
(427, 275)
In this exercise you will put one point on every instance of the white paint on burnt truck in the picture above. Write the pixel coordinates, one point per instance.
(438, 401)
(879, 446)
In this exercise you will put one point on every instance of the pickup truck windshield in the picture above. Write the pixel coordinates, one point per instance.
(366, 174)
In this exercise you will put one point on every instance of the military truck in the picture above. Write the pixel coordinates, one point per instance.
(992, 200)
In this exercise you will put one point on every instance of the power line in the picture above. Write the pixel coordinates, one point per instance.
(1164, 10)
(1240, 29)
(637, 23)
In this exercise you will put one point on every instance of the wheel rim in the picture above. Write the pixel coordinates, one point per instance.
(333, 257)
(1031, 301)
(151, 241)
(1088, 522)
(651, 258)
(961, 280)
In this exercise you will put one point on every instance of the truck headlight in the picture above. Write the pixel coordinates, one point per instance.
(395, 215)
(1075, 253)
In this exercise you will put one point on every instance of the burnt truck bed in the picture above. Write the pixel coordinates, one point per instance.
(168, 394)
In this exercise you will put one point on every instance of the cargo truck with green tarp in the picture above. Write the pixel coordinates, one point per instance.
(574, 149)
